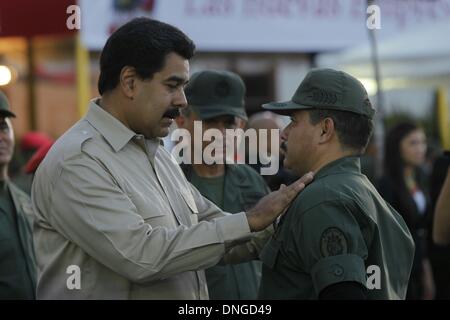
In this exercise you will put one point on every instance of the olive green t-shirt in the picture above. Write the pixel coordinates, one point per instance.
(210, 187)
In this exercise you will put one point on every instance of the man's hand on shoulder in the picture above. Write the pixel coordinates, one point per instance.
(275, 203)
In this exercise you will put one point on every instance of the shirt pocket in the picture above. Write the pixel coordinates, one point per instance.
(147, 206)
(186, 195)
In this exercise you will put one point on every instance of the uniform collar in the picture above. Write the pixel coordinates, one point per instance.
(349, 164)
(114, 131)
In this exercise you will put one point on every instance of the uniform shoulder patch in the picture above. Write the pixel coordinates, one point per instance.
(333, 242)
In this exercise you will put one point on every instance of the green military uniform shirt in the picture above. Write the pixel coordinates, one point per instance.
(338, 229)
(239, 189)
(17, 260)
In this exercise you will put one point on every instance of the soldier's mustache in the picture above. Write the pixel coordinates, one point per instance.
(171, 113)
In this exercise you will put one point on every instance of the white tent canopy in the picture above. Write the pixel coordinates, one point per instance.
(418, 55)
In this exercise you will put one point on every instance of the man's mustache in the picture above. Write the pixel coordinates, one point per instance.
(171, 113)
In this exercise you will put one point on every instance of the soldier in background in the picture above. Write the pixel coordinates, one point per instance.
(17, 260)
(216, 98)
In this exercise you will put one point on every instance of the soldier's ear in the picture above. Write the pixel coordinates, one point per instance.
(327, 130)
(127, 81)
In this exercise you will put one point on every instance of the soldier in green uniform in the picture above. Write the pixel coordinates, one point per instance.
(339, 239)
(216, 98)
(17, 260)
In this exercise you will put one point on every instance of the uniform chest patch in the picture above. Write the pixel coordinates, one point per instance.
(333, 242)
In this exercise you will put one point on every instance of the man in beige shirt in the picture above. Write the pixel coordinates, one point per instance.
(115, 216)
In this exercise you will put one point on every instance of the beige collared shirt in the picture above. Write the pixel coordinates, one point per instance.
(118, 207)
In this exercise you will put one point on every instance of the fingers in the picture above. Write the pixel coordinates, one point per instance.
(292, 190)
(300, 184)
(307, 178)
(289, 193)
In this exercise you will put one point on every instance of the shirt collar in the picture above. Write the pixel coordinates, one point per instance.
(349, 164)
(151, 147)
(114, 131)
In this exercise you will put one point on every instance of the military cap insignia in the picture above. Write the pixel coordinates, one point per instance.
(333, 242)
(322, 96)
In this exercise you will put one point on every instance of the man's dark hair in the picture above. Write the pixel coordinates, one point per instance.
(353, 130)
(142, 43)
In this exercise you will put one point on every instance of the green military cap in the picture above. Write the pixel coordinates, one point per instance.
(214, 93)
(327, 89)
(4, 106)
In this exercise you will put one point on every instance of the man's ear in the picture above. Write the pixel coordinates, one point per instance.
(127, 81)
(328, 131)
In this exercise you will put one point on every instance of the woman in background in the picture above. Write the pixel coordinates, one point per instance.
(404, 187)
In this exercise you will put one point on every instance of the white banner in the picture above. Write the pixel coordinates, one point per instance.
(263, 25)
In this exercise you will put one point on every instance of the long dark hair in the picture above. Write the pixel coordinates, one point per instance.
(394, 169)
(393, 162)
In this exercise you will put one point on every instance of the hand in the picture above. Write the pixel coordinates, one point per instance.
(275, 203)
